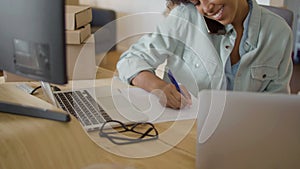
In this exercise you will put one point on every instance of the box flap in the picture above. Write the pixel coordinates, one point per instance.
(77, 16)
(78, 36)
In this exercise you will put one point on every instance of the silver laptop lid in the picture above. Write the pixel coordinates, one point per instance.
(240, 130)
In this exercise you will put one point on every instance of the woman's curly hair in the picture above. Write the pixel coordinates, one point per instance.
(179, 1)
(172, 3)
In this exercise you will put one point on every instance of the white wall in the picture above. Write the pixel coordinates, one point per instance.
(129, 6)
(279, 3)
(263, 2)
(134, 17)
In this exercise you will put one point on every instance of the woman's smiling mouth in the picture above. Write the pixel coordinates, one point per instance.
(218, 15)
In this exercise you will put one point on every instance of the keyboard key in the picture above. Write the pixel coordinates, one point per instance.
(84, 107)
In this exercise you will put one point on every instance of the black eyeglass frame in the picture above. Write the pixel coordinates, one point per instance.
(127, 140)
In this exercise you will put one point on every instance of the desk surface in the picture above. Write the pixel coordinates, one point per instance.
(28, 142)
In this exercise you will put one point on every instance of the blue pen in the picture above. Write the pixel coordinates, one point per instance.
(173, 80)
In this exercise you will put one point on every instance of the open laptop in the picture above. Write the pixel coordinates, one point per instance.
(94, 106)
(241, 130)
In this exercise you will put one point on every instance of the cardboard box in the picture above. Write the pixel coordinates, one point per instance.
(81, 61)
(77, 16)
(72, 2)
(78, 36)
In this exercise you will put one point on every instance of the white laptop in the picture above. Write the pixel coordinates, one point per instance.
(106, 103)
(241, 130)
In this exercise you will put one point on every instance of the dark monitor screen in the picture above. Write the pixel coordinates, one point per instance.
(32, 34)
(32, 38)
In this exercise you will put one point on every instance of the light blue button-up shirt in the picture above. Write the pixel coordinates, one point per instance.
(198, 59)
(230, 70)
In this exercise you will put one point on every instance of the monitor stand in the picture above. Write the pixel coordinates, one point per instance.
(32, 111)
(48, 93)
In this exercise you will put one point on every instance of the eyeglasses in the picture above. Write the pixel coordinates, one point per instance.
(120, 134)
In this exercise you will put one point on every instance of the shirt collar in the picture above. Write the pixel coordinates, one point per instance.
(251, 25)
(254, 25)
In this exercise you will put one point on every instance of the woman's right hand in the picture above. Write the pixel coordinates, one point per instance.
(167, 93)
(170, 97)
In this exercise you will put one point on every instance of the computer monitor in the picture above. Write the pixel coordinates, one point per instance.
(32, 34)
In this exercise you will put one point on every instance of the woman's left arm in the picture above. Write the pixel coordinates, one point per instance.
(285, 70)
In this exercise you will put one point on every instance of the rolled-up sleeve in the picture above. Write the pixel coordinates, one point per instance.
(147, 54)
(154, 48)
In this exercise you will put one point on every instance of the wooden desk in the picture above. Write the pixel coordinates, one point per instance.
(35, 143)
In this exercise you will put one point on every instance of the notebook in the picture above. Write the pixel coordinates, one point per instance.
(241, 130)
(94, 106)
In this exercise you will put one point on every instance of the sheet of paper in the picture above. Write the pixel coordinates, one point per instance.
(149, 104)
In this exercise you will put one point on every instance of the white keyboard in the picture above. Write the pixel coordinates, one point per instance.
(84, 107)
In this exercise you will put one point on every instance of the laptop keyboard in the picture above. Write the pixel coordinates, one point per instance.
(84, 107)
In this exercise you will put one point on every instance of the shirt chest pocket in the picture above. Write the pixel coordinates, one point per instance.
(199, 69)
(193, 62)
(262, 75)
(199, 64)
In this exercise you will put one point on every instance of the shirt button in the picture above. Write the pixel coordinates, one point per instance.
(197, 65)
(227, 46)
(246, 46)
(264, 76)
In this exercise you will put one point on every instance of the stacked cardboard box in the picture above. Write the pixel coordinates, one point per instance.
(72, 2)
(81, 62)
(80, 44)
(78, 27)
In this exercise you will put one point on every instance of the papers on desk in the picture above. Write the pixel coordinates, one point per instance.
(149, 104)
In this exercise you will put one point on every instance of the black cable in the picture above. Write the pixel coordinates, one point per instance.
(55, 88)
(35, 89)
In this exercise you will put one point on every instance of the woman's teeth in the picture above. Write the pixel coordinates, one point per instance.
(219, 14)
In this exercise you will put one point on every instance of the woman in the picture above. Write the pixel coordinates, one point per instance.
(253, 54)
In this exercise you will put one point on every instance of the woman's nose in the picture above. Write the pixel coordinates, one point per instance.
(207, 6)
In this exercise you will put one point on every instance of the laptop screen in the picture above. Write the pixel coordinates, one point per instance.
(248, 130)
